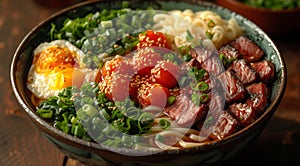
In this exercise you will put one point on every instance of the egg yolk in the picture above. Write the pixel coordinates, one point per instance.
(65, 78)
(54, 57)
(58, 64)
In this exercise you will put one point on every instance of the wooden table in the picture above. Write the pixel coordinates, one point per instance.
(21, 144)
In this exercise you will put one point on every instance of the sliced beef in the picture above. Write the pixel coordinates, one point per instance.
(214, 84)
(216, 103)
(244, 112)
(230, 52)
(247, 48)
(243, 71)
(258, 97)
(185, 112)
(225, 125)
(202, 54)
(233, 88)
(213, 66)
(192, 63)
(265, 70)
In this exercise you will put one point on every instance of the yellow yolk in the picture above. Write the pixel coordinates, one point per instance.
(54, 58)
(66, 77)
(58, 64)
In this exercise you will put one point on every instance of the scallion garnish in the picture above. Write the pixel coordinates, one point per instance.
(164, 124)
(211, 24)
(202, 86)
(171, 100)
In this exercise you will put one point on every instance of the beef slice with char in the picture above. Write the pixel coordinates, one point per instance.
(243, 71)
(230, 52)
(225, 125)
(265, 70)
(185, 112)
(259, 93)
(247, 48)
(215, 109)
(233, 88)
(202, 54)
(213, 66)
(243, 112)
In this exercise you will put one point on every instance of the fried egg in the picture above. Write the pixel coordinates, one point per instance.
(56, 65)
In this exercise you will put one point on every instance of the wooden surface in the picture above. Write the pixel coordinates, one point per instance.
(21, 144)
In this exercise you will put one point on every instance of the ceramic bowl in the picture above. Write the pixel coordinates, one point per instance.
(92, 153)
(273, 22)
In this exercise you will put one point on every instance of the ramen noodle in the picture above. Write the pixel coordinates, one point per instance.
(199, 24)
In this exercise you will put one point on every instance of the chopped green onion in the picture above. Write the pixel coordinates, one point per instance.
(106, 24)
(187, 58)
(209, 34)
(165, 124)
(189, 36)
(224, 59)
(202, 86)
(46, 114)
(79, 131)
(204, 98)
(195, 98)
(89, 110)
(171, 100)
(197, 73)
(211, 24)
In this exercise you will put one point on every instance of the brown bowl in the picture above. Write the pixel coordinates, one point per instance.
(273, 22)
(93, 153)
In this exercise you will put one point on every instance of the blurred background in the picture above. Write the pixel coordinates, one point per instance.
(21, 144)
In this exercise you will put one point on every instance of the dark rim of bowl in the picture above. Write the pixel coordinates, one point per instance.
(86, 144)
(238, 4)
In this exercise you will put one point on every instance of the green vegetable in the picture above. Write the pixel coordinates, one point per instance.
(171, 100)
(211, 24)
(60, 111)
(115, 36)
(46, 114)
(204, 98)
(109, 121)
(209, 34)
(189, 36)
(202, 86)
(165, 124)
(198, 74)
(199, 98)
(226, 62)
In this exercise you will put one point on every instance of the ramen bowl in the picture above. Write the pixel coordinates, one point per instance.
(90, 152)
(273, 22)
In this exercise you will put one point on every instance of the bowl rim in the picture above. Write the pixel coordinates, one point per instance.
(239, 4)
(54, 132)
